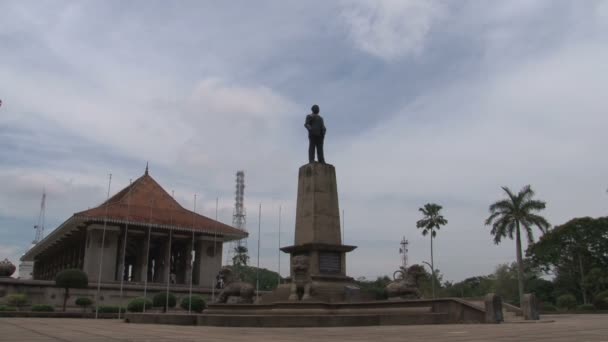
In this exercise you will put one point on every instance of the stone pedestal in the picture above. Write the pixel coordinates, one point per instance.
(493, 305)
(317, 237)
(530, 307)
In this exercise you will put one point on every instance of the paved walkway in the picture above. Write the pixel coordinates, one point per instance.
(564, 328)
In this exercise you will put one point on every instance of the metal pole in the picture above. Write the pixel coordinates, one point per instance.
(257, 271)
(124, 247)
(214, 252)
(192, 247)
(279, 280)
(103, 237)
(169, 261)
(147, 255)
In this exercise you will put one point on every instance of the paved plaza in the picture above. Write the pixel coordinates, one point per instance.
(578, 328)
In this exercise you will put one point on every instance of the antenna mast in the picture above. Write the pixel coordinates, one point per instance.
(239, 216)
(41, 216)
(403, 251)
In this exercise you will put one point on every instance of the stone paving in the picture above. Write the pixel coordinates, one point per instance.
(560, 328)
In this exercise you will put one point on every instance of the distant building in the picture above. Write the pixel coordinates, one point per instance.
(147, 229)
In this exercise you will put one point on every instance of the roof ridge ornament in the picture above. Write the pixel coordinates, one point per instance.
(146, 172)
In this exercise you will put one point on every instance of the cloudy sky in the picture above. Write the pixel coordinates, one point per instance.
(424, 101)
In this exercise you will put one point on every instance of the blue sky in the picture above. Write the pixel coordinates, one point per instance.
(425, 101)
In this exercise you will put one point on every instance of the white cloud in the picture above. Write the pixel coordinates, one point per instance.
(391, 29)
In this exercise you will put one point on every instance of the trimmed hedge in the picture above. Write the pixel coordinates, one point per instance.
(585, 307)
(84, 302)
(198, 303)
(160, 300)
(137, 304)
(42, 308)
(17, 300)
(601, 300)
(566, 301)
(110, 309)
(548, 307)
(4, 308)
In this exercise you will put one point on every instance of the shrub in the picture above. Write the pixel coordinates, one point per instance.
(109, 309)
(138, 304)
(84, 302)
(549, 308)
(17, 300)
(601, 300)
(160, 300)
(198, 303)
(42, 308)
(7, 308)
(585, 307)
(566, 301)
(72, 278)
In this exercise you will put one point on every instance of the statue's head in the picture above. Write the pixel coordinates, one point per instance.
(300, 263)
(315, 109)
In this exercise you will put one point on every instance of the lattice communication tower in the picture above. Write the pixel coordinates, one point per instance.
(41, 217)
(239, 216)
(403, 251)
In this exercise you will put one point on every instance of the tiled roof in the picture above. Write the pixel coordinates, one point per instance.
(145, 202)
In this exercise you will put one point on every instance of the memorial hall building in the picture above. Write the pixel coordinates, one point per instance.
(143, 227)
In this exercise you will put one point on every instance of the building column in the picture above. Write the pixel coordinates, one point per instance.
(210, 262)
(120, 270)
(94, 250)
(188, 268)
(145, 253)
(167, 259)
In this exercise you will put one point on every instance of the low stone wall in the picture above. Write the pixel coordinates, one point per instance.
(318, 314)
(31, 314)
(45, 292)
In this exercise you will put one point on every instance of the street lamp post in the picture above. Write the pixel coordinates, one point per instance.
(433, 277)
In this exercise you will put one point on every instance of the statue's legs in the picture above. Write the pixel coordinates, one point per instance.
(307, 287)
(293, 296)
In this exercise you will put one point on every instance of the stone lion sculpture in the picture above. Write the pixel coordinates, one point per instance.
(405, 284)
(301, 282)
(235, 290)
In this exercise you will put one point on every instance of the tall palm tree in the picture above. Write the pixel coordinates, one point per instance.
(430, 223)
(509, 215)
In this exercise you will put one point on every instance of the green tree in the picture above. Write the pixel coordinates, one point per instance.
(267, 278)
(241, 256)
(71, 279)
(572, 251)
(509, 215)
(430, 223)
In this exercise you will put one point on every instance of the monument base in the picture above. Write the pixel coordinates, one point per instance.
(316, 314)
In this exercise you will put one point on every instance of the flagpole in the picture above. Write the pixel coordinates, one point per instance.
(257, 272)
(214, 251)
(147, 256)
(168, 275)
(192, 247)
(103, 237)
(124, 247)
(279, 280)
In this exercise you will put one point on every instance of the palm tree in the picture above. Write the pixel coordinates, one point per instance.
(508, 215)
(431, 221)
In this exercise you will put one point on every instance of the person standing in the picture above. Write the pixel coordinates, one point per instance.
(316, 134)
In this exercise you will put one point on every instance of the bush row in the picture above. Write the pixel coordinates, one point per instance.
(195, 303)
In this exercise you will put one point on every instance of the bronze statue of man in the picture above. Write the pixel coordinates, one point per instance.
(316, 134)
